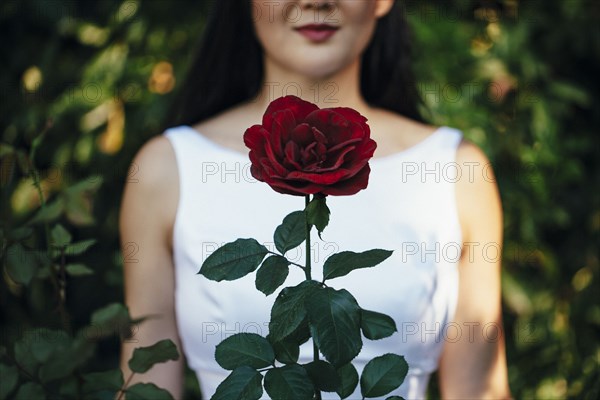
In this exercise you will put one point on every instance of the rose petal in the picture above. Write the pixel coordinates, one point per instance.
(335, 162)
(350, 115)
(255, 136)
(318, 135)
(364, 151)
(256, 155)
(257, 173)
(321, 150)
(333, 125)
(292, 154)
(280, 169)
(298, 189)
(314, 156)
(349, 187)
(302, 135)
(299, 108)
(268, 169)
(307, 155)
(253, 158)
(283, 124)
(321, 141)
(354, 167)
(326, 117)
(328, 178)
(359, 131)
(312, 167)
(344, 144)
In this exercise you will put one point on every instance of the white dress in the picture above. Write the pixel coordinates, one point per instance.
(409, 206)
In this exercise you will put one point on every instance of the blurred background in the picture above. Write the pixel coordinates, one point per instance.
(95, 80)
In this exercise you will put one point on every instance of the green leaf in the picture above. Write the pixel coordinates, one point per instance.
(382, 375)
(6, 149)
(145, 391)
(9, 376)
(78, 209)
(376, 325)
(288, 312)
(233, 260)
(394, 398)
(30, 391)
(68, 387)
(324, 375)
(23, 354)
(22, 264)
(244, 349)
(89, 184)
(66, 355)
(49, 212)
(60, 236)
(20, 233)
(37, 141)
(55, 353)
(74, 249)
(46, 342)
(290, 382)
(109, 320)
(569, 92)
(318, 213)
(291, 233)
(110, 314)
(43, 272)
(334, 317)
(302, 333)
(342, 263)
(244, 383)
(23, 162)
(82, 349)
(145, 357)
(95, 381)
(287, 351)
(272, 274)
(348, 380)
(78, 270)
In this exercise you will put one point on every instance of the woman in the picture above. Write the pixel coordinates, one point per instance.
(430, 193)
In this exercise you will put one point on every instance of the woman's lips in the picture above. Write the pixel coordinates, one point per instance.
(317, 32)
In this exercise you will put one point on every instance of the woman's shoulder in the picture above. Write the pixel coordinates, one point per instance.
(476, 168)
(154, 165)
(152, 185)
(478, 197)
(394, 132)
(469, 152)
(477, 194)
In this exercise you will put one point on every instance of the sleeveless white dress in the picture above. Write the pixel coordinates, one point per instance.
(409, 206)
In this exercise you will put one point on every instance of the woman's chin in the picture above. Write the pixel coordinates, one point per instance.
(317, 69)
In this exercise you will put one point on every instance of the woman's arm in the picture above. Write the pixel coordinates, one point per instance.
(147, 214)
(474, 366)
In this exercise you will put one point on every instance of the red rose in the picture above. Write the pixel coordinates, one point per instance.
(300, 149)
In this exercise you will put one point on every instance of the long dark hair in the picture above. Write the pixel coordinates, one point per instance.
(227, 68)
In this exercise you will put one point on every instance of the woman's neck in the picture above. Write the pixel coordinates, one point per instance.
(341, 89)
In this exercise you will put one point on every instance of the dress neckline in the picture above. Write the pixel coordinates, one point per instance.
(374, 160)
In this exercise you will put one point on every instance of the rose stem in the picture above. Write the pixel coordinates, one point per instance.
(307, 266)
(307, 270)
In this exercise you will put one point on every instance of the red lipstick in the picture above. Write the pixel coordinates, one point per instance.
(317, 32)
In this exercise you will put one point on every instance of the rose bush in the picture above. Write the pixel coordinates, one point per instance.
(290, 151)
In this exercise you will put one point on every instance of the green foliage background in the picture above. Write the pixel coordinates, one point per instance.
(520, 78)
